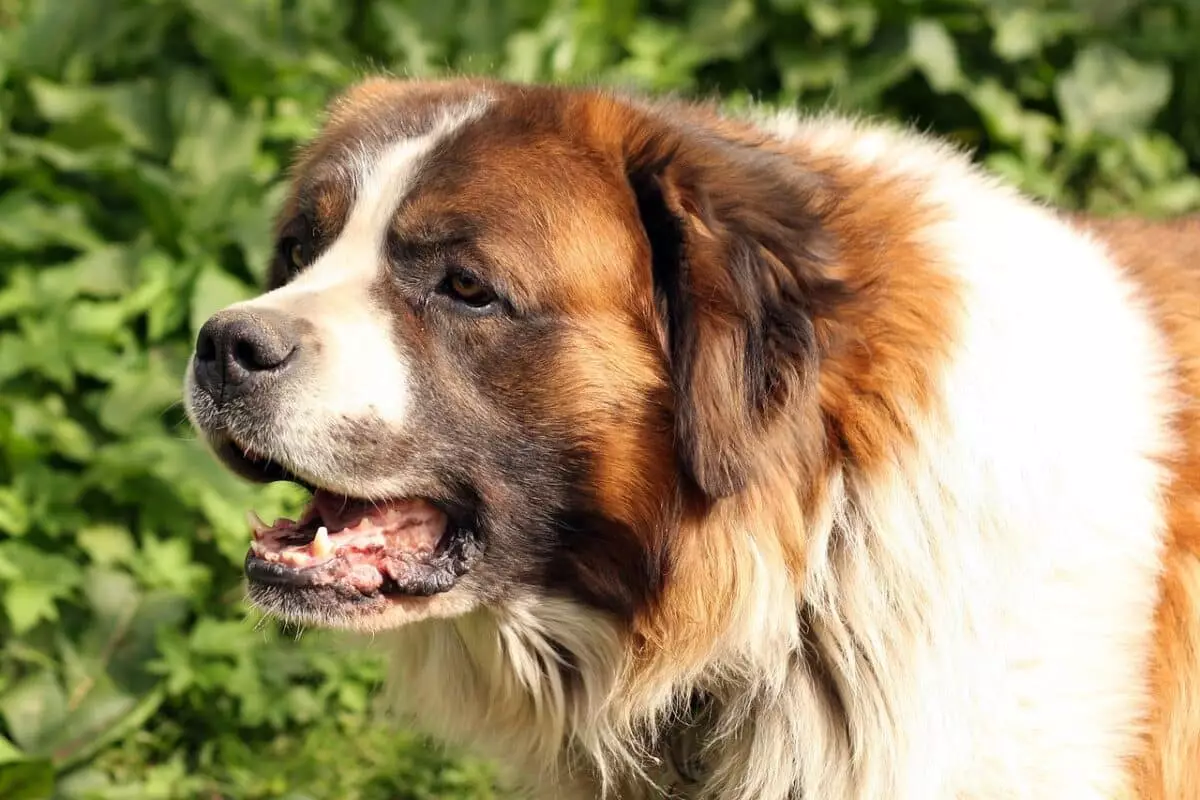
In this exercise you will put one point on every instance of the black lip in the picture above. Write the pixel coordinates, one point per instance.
(257, 470)
(272, 573)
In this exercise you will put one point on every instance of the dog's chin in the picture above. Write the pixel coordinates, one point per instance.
(352, 562)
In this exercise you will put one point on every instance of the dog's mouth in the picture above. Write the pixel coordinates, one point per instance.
(389, 547)
(358, 549)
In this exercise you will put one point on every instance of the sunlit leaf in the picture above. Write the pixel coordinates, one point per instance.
(9, 752)
(39, 581)
(934, 52)
(34, 709)
(1107, 92)
(27, 223)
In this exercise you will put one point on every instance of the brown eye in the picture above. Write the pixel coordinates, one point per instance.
(296, 255)
(468, 290)
(293, 253)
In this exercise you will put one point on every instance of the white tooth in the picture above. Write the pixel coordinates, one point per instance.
(321, 545)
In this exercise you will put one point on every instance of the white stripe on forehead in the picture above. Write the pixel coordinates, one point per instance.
(381, 180)
(358, 369)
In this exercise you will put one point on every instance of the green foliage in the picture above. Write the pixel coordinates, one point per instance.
(141, 149)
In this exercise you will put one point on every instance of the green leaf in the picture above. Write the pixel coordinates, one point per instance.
(27, 223)
(831, 19)
(1017, 33)
(34, 709)
(801, 70)
(42, 349)
(139, 394)
(215, 289)
(27, 604)
(107, 544)
(100, 272)
(47, 422)
(14, 513)
(104, 722)
(1010, 122)
(250, 227)
(128, 113)
(1022, 33)
(27, 780)
(1109, 93)
(120, 641)
(54, 31)
(21, 293)
(35, 581)
(934, 53)
(163, 298)
(215, 141)
(8, 751)
(168, 564)
(213, 637)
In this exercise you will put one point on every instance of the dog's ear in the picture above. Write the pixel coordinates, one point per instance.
(740, 264)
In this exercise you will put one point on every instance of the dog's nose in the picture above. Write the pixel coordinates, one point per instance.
(236, 349)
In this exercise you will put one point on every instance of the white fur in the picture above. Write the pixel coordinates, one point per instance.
(988, 612)
(361, 372)
(468, 679)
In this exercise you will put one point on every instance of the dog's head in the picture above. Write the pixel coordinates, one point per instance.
(511, 334)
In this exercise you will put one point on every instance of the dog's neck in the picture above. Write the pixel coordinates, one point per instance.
(684, 747)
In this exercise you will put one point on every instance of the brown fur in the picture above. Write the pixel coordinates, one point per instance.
(879, 354)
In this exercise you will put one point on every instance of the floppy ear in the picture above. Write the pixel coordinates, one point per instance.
(739, 259)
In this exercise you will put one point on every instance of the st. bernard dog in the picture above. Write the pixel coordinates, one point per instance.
(753, 457)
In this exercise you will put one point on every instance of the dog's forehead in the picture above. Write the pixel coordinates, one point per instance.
(368, 121)
(513, 168)
(545, 209)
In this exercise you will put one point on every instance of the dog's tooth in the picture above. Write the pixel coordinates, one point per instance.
(322, 547)
(295, 558)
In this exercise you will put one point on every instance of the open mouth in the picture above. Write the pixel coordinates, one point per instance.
(361, 549)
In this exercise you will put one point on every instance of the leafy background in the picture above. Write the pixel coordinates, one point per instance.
(141, 149)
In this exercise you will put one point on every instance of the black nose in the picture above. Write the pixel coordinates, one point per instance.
(237, 349)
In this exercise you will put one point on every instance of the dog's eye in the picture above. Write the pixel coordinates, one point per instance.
(468, 290)
(294, 253)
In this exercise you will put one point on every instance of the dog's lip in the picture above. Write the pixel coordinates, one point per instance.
(253, 465)
(390, 571)
(424, 554)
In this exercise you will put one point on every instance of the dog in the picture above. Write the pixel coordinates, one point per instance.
(683, 453)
